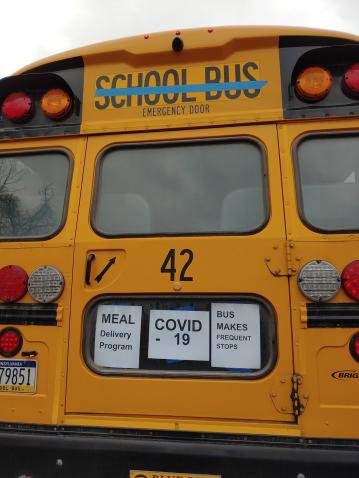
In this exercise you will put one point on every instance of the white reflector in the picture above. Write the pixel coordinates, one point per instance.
(45, 284)
(319, 280)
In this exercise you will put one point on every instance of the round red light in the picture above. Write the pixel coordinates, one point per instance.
(10, 342)
(354, 347)
(13, 283)
(17, 107)
(351, 80)
(350, 280)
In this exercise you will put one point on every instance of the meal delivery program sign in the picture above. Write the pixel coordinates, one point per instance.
(118, 334)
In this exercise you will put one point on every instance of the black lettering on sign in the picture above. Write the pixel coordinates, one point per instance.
(212, 75)
(170, 259)
(105, 100)
(168, 266)
(250, 77)
(168, 74)
(152, 74)
(183, 276)
(131, 84)
(114, 103)
(237, 77)
(185, 97)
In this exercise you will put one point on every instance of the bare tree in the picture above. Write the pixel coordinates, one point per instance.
(16, 218)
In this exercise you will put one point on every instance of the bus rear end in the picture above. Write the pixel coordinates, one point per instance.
(172, 302)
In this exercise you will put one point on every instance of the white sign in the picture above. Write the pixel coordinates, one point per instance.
(118, 334)
(179, 335)
(236, 341)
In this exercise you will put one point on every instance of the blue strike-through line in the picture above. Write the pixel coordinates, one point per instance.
(196, 88)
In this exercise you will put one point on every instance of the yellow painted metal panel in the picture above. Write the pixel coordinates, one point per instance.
(190, 73)
(223, 265)
(49, 342)
(332, 405)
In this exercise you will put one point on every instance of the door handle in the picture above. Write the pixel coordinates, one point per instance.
(89, 260)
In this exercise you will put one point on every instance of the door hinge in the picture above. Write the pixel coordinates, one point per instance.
(299, 400)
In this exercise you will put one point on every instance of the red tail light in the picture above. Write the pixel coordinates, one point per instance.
(354, 347)
(13, 283)
(351, 80)
(350, 280)
(17, 107)
(10, 342)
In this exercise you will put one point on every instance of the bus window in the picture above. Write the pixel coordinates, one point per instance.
(328, 175)
(32, 193)
(181, 188)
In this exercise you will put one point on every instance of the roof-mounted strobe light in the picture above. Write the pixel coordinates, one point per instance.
(17, 107)
(56, 104)
(313, 83)
(351, 81)
(319, 281)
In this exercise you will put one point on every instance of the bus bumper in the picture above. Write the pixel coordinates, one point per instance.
(69, 453)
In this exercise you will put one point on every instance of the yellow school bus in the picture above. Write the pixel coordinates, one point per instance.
(179, 258)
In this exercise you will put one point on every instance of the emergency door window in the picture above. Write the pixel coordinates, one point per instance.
(181, 188)
(328, 179)
(33, 190)
(215, 336)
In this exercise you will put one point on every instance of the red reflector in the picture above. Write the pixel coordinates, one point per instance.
(17, 107)
(351, 80)
(354, 347)
(13, 283)
(10, 342)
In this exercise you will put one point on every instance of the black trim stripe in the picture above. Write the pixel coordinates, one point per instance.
(333, 315)
(28, 314)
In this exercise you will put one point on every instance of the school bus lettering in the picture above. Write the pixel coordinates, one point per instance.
(171, 86)
(147, 188)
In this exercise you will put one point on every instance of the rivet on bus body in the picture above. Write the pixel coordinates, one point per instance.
(275, 247)
(267, 259)
(177, 286)
(283, 409)
(283, 380)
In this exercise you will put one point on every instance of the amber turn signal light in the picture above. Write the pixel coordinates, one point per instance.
(313, 83)
(56, 104)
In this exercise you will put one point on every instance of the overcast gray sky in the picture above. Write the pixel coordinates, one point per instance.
(33, 29)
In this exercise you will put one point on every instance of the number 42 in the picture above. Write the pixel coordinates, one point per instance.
(169, 267)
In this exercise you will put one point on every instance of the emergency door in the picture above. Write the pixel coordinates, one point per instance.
(181, 301)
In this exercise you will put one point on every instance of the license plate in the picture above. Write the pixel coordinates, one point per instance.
(18, 376)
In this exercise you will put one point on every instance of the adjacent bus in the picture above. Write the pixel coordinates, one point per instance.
(179, 261)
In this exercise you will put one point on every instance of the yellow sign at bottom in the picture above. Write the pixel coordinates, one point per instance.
(167, 474)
